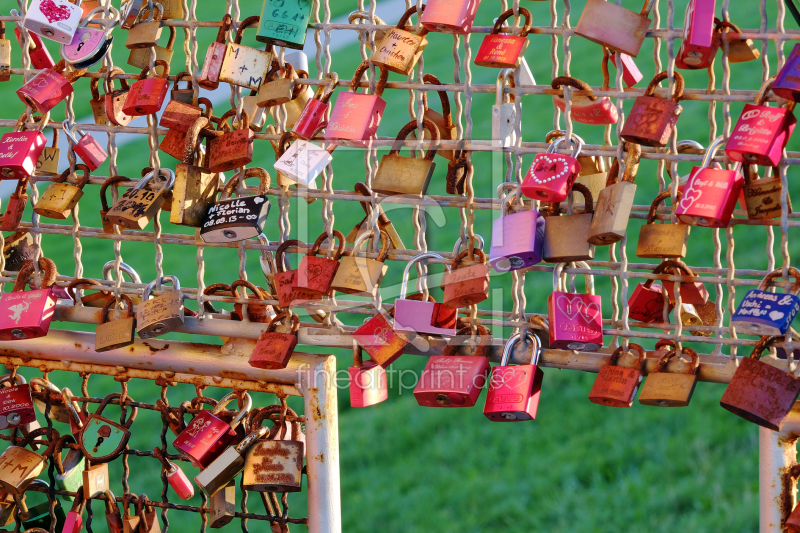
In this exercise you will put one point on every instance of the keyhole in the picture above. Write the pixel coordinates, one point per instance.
(80, 45)
(102, 434)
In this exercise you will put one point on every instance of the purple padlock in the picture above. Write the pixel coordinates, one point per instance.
(517, 239)
(787, 84)
(429, 318)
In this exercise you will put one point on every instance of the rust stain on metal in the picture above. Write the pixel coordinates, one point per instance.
(789, 477)
(316, 413)
(320, 458)
(78, 345)
(154, 349)
(233, 375)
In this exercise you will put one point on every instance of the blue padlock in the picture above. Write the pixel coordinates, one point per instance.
(766, 313)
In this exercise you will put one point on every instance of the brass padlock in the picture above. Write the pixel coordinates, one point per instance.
(97, 102)
(615, 201)
(138, 206)
(300, 96)
(130, 523)
(408, 176)
(19, 466)
(117, 333)
(689, 316)
(115, 100)
(278, 86)
(5, 53)
(47, 164)
(667, 389)
(662, 240)
(362, 275)
(443, 120)
(222, 506)
(762, 197)
(186, 95)
(173, 9)
(162, 314)
(565, 236)
(400, 50)
(739, 50)
(61, 197)
(363, 35)
(15, 208)
(108, 226)
(145, 33)
(140, 57)
(195, 187)
(243, 65)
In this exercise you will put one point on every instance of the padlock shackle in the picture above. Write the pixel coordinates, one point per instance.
(42, 119)
(260, 294)
(280, 317)
(364, 15)
(325, 90)
(459, 244)
(322, 238)
(112, 21)
(646, 8)
(181, 76)
(282, 249)
(516, 338)
(150, 175)
(407, 270)
(553, 149)
(111, 503)
(237, 179)
(662, 363)
(52, 438)
(223, 288)
(248, 404)
(82, 182)
(446, 112)
(27, 270)
(125, 268)
(526, 28)
(410, 12)
(505, 76)
(267, 258)
(36, 383)
(249, 22)
(104, 317)
(59, 447)
(711, 151)
(164, 72)
(588, 200)
(411, 126)
(112, 180)
(19, 379)
(763, 93)
(72, 407)
(631, 346)
(555, 134)
(227, 22)
(68, 127)
(651, 215)
(559, 276)
(575, 83)
(79, 504)
(677, 93)
(461, 256)
(764, 343)
(778, 273)
(631, 165)
(244, 122)
(75, 283)
(383, 254)
(483, 337)
(251, 438)
(362, 68)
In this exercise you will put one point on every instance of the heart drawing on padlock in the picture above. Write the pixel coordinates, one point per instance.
(776, 315)
(314, 271)
(259, 200)
(690, 196)
(546, 168)
(566, 306)
(508, 377)
(585, 309)
(53, 12)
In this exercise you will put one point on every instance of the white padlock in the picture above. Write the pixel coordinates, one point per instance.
(504, 114)
(304, 161)
(56, 20)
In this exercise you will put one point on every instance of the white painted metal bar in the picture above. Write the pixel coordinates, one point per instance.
(777, 454)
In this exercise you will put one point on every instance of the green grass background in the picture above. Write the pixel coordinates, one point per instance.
(578, 467)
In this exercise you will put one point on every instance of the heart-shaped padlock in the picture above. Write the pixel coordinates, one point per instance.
(552, 175)
(90, 45)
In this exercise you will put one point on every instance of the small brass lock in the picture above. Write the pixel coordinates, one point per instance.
(162, 314)
(61, 197)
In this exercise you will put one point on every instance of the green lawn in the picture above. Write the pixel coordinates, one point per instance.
(579, 466)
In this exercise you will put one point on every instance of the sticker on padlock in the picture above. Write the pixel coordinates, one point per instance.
(575, 320)
(613, 26)
(421, 317)
(233, 220)
(212, 65)
(616, 385)
(503, 50)
(551, 175)
(513, 391)
(27, 314)
(407, 176)
(57, 20)
(20, 149)
(671, 389)
(163, 313)
(90, 45)
(87, 147)
(61, 197)
(103, 440)
(245, 66)
(662, 240)
(450, 16)
(699, 45)
(652, 120)
(589, 109)
(517, 238)
(284, 23)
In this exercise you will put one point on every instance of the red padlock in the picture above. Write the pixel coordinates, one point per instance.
(691, 293)
(761, 133)
(552, 175)
(589, 109)
(16, 402)
(652, 119)
(233, 149)
(40, 56)
(87, 148)
(273, 350)
(15, 207)
(575, 320)
(355, 117)
(450, 16)
(500, 50)
(49, 87)
(284, 280)
(27, 314)
(646, 304)
(181, 116)
(147, 94)
(631, 75)
(312, 118)
(209, 76)
(377, 337)
(73, 523)
(513, 394)
(20, 149)
(315, 274)
(207, 435)
(616, 386)
(367, 381)
(175, 476)
(700, 43)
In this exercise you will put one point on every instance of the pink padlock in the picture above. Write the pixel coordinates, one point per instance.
(16, 402)
(552, 175)
(147, 94)
(175, 476)
(575, 320)
(631, 75)
(20, 149)
(312, 118)
(207, 435)
(700, 44)
(416, 316)
(761, 133)
(710, 194)
(40, 56)
(27, 314)
(589, 109)
(73, 523)
(367, 381)
(355, 117)
(209, 76)
(450, 16)
(87, 147)
(49, 87)
(513, 393)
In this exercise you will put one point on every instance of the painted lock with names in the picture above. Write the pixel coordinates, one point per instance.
(245, 66)
(27, 314)
(575, 320)
(400, 50)
(48, 87)
(16, 403)
(20, 150)
(768, 313)
(284, 23)
(551, 175)
(274, 349)
(40, 56)
(504, 50)
(616, 386)
(356, 116)
(762, 197)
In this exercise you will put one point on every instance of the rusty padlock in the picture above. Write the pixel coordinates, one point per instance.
(243, 65)
(255, 312)
(616, 386)
(762, 197)
(377, 337)
(355, 117)
(115, 100)
(613, 26)
(575, 320)
(408, 176)
(195, 187)
(504, 50)
(316, 274)
(61, 197)
(138, 205)
(443, 121)
(589, 109)
(400, 50)
(646, 304)
(669, 389)
(212, 65)
(15, 208)
(662, 240)
(362, 275)
(273, 349)
(367, 381)
(97, 102)
(694, 293)
(615, 201)
(181, 116)
(234, 149)
(19, 466)
(652, 119)
(284, 280)
(145, 32)
(183, 95)
(108, 226)
(565, 236)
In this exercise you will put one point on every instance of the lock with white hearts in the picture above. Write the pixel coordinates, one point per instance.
(552, 175)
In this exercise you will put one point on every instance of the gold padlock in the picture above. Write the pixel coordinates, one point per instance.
(400, 50)
(616, 201)
(117, 333)
(662, 240)
(443, 120)
(186, 95)
(739, 50)
(138, 206)
(278, 86)
(762, 197)
(47, 164)
(173, 9)
(243, 65)
(98, 102)
(363, 35)
(689, 316)
(145, 33)
(593, 172)
(362, 275)
(61, 197)
(162, 314)
(5, 53)
(195, 187)
(222, 506)
(668, 389)
(108, 226)
(407, 175)
(565, 236)
(140, 57)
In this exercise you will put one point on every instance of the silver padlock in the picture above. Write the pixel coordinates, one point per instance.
(227, 466)
(162, 314)
(222, 506)
(504, 114)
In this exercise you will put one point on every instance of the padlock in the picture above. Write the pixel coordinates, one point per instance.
(207, 436)
(646, 304)
(28, 313)
(316, 274)
(20, 150)
(615, 201)
(19, 248)
(504, 50)
(5, 54)
(245, 66)
(689, 316)
(103, 440)
(138, 205)
(222, 506)
(383, 221)
(355, 117)
(130, 523)
(233, 220)
(40, 56)
(613, 26)
(8, 507)
(140, 57)
(69, 470)
(766, 313)
(278, 86)
(759, 392)
(113, 516)
(504, 114)
(284, 23)
(669, 389)
(97, 102)
(466, 285)
(575, 320)
(513, 391)
(115, 100)
(38, 516)
(108, 226)
(316, 109)
(284, 280)
(291, 110)
(234, 149)
(616, 385)
(61, 197)
(195, 187)
(15, 207)
(162, 314)
(212, 65)
(719, 189)
(652, 119)
(228, 464)
(76, 415)
(444, 120)
(147, 94)
(47, 164)
(186, 95)
(662, 240)
(593, 171)
(19, 466)
(286, 425)
(421, 317)
(761, 133)
(787, 82)
(145, 32)
(694, 293)
(408, 176)
(45, 394)
(565, 235)
(517, 238)
(362, 275)
(631, 75)
(255, 312)
(452, 380)
(117, 333)
(56, 20)
(175, 476)
(273, 464)
(551, 175)
(148, 519)
(73, 522)
(762, 197)
(303, 161)
(399, 50)
(48, 87)
(699, 45)
(181, 117)
(450, 16)
(589, 109)
(377, 337)
(90, 45)
(273, 349)
(739, 49)
(86, 147)
(16, 402)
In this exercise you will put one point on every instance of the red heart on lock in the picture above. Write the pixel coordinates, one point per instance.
(54, 12)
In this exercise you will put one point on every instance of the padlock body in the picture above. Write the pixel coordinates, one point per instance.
(180, 483)
(160, 315)
(209, 76)
(90, 152)
(193, 195)
(761, 393)
(355, 118)
(173, 144)
(140, 58)
(517, 240)
(565, 238)
(664, 389)
(367, 384)
(611, 214)
(16, 406)
(144, 34)
(236, 219)
(47, 164)
(40, 517)
(72, 478)
(691, 293)
(513, 393)
(179, 116)
(204, 439)
(244, 66)
(451, 381)
(378, 338)
(792, 523)
(408, 176)
(616, 27)
(220, 472)
(274, 93)
(419, 317)
(615, 386)
(26, 314)
(359, 275)
(631, 75)
(709, 197)
(504, 123)
(699, 44)
(274, 466)
(760, 135)
(651, 121)
(5, 60)
(40, 56)
(231, 150)
(19, 153)
(18, 467)
(501, 51)
(662, 240)
(312, 116)
(316, 274)
(115, 334)
(550, 177)
(112, 108)
(575, 321)
(598, 112)
(762, 199)
(287, 289)
(135, 208)
(222, 506)
(303, 162)
(88, 46)
(284, 23)
(646, 304)
(45, 90)
(56, 20)
(787, 84)
(765, 313)
(449, 16)
(95, 480)
(446, 132)
(399, 51)
(73, 523)
(466, 286)
(293, 109)
(146, 97)
(273, 350)
(58, 200)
